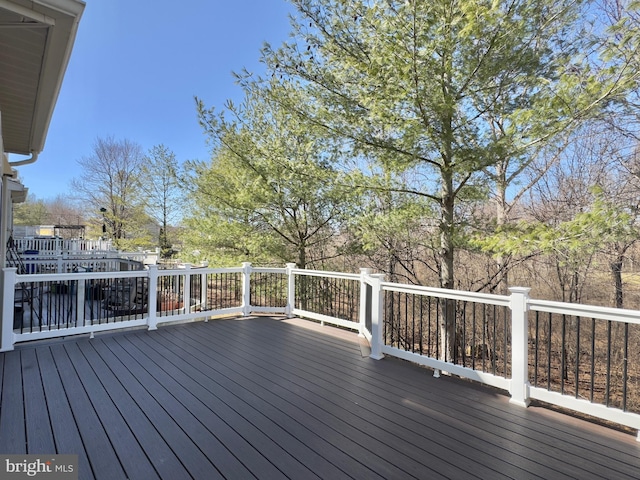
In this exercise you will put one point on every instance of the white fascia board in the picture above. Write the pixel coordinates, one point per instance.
(58, 51)
(68, 7)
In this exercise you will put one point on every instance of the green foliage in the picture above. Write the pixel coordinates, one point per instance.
(436, 92)
(380, 227)
(31, 212)
(223, 243)
(269, 191)
(571, 240)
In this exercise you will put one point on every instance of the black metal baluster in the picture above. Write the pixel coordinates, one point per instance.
(474, 339)
(494, 353)
(625, 366)
(550, 325)
(608, 377)
(593, 357)
(536, 349)
(577, 371)
(505, 346)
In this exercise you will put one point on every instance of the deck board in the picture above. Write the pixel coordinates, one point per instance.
(191, 441)
(38, 426)
(320, 455)
(324, 399)
(367, 404)
(328, 434)
(67, 436)
(236, 420)
(12, 432)
(101, 455)
(273, 398)
(125, 424)
(485, 425)
(218, 437)
(355, 403)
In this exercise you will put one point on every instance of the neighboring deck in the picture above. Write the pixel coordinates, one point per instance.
(271, 398)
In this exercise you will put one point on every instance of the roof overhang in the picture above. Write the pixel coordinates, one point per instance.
(36, 38)
(18, 191)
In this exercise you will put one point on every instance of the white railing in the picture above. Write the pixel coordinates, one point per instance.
(580, 343)
(47, 248)
(383, 344)
(60, 246)
(60, 304)
(597, 355)
(104, 262)
(503, 341)
(146, 257)
(328, 297)
(98, 261)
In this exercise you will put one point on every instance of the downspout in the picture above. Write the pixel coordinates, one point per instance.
(26, 161)
(4, 158)
(4, 220)
(5, 215)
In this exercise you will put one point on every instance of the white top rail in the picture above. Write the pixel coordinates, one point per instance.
(487, 298)
(53, 246)
(198, 270)
(48, 277)
(54, 277)
(268, 270)
(587, 311)
(322, 273)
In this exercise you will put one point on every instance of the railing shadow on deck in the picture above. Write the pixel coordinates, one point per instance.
(580, 357)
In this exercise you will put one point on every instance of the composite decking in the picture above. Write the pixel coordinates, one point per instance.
(271, 398)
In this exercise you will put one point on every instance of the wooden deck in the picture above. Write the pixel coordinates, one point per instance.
(270, 398)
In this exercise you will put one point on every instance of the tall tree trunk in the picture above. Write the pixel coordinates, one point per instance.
(616, 271)
(502, 286)
(302, 254)
(447, 311)
(448, 193)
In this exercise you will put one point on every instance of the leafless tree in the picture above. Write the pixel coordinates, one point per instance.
(163, 195)
(109, 187)
(62, 210)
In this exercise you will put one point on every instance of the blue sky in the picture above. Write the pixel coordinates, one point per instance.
(135, 69)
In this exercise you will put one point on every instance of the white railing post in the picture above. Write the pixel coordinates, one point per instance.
(80, 298)
(362, 318)
(203, 294)
(7, 337)
(60, 264)
(519, 389)
(186, 293)
(291, 290)
(246, 288)
(377, 316)
(152, 298)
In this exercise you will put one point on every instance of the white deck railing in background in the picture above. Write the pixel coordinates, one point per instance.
(535, 350)
(97, 261)
(145, 257)
(109, 262)
(61, 246)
